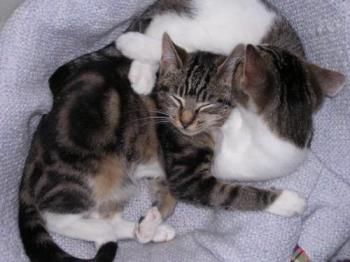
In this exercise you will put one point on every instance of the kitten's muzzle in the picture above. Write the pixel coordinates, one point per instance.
(186, 118)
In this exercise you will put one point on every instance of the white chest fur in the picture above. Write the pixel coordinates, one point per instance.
(248, 150)
(218, 26)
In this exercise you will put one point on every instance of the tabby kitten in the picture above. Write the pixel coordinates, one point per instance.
(80, 171)
(266, 143)
(194, 92)
(100, 138)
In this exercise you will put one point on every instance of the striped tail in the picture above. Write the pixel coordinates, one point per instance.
(39, 245)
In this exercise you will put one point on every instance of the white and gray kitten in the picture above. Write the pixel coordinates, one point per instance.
(250, 147)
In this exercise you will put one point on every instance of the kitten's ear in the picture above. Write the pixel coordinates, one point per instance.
(331, 82)
(255, 71)
(227, 65)
(173, 56)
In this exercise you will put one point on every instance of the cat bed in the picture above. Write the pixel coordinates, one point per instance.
(44, 34)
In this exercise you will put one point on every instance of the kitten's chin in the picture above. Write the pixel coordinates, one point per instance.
(188, 132)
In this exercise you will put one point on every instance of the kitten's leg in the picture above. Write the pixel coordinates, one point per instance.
(206, 190)
(151, 227)
(75, 226)
(139, 47)
(192, 181)
(146, 52)
(165, 203)
(142, 76)
(164, 200)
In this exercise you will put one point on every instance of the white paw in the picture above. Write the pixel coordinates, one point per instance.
(146, 230)
(142, 77)
(139, 47)
(130, 44)
(164, 233)
(287, 204)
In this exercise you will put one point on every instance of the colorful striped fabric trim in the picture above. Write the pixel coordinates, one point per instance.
(299, 255)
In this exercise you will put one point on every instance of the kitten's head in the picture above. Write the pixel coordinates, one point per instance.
(194, 90)
(268, 73)
(284, 89)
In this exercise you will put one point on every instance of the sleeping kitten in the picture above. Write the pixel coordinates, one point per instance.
(194, 95)
(255, 145)
(100, 138)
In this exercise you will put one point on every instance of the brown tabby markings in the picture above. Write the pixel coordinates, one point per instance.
(149, 149)
(85, 151)
(110, 175)
(164, 200)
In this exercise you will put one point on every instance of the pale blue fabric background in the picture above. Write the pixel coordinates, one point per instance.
(44, 34)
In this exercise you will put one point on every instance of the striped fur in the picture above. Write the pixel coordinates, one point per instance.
(277, 34)
(141, 22)
(188, 163)
(86, 149)
(284, 90)
(195, 80)
(84, 154)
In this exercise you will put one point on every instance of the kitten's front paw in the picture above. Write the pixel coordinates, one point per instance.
(164, 233)
(287, 204)
(142, 77)
(147, 228)
(130, 44)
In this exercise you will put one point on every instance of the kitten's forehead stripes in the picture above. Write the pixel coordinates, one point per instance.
(202, 93)
(183, 88)
(197, 79)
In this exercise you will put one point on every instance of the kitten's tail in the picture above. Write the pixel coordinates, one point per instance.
(39, 245)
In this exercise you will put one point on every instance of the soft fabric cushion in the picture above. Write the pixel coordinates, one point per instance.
(44, 34)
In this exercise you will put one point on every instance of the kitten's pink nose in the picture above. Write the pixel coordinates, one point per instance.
(186, 118)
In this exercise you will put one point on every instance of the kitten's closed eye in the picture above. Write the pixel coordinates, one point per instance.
(204, 106)
(178, 100)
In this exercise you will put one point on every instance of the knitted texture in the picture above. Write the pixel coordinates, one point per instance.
(44, 34)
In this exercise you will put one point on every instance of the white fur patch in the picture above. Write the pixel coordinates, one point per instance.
(140, 47)
(164, 233)
(287, 204)
(217, 26)
(249, 151)
(76, 226)
(142, 76)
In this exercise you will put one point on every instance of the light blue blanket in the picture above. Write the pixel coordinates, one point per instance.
(44, 34)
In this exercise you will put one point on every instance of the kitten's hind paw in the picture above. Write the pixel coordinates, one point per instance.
(147, 228)
(287, 204)
(164, 233)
